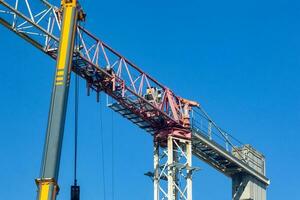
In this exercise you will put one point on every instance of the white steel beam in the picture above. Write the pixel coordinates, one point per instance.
(173, 169)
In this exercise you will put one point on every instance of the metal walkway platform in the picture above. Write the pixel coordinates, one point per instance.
(219, 158)
(137, 120)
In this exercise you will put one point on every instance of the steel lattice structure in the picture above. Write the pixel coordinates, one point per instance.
(171, 118)
(173, 170)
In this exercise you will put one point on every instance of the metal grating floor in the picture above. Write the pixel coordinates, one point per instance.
(126, 113)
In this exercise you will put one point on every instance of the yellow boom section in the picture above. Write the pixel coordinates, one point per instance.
(47, 183)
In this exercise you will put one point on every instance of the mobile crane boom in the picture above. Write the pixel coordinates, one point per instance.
(47, 183)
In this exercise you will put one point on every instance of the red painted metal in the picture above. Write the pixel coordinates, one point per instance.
(108, 71)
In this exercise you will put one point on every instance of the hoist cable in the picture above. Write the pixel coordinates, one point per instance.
(102, 153)
(76, 105)
(112, 154)
(76, 127)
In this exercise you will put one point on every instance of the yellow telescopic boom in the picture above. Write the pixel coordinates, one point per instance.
(47, 183)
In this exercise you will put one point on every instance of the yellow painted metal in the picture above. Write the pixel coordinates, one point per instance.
(45, 189)
(47, 186)
(60, 73)
(59, 78)
(68, 3)
(65, 38)
(59, 83)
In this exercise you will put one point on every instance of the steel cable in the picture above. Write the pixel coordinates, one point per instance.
(76, 127)
(112, 155)
(102, 153)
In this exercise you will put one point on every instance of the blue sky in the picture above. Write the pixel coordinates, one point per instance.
(239, 59)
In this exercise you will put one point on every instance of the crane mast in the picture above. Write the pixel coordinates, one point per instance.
(180, 127)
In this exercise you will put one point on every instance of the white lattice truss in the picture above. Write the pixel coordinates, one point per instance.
(173, 170)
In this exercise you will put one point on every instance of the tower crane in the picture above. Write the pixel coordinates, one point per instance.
(180, 127)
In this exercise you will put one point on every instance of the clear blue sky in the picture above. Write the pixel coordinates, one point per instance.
(239, 59)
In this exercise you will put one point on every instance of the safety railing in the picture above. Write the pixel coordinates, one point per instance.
(202, 123)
